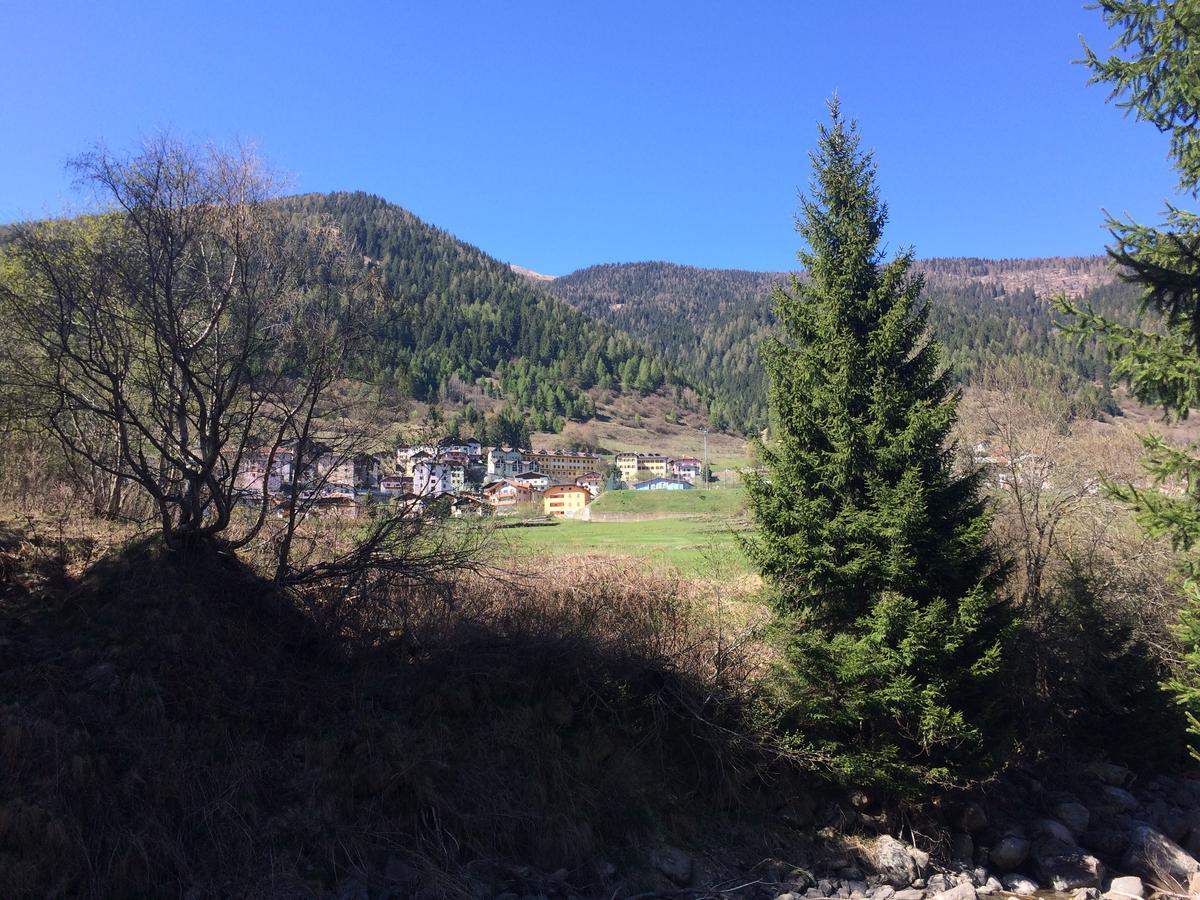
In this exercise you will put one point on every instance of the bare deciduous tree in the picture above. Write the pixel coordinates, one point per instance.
(180, 325)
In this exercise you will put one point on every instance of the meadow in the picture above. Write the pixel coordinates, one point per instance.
(689, 533)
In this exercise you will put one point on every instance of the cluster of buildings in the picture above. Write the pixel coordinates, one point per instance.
(464, 475)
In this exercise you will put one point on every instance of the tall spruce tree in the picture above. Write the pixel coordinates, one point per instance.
(1154, 73)
(874, 547)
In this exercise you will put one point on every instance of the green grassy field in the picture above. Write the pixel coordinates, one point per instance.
(692, 532)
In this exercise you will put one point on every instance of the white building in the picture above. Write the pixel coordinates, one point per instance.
(504, 462)
(252, 470)
(430, 478)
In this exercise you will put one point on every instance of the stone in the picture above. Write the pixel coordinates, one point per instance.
(972, 818)
(799, 809)
(1086, 894)
(1009, 853)
(1052, 828)
(1126, 887)
(962, 848)
(883, 892)
(1105, 842)
(673, 863)
(938, 883)
(892, 861)
(787, 896)
(965, 891)
(1065, 867)
(1109, 773)
(1074, 815)
(921, 858)
(1194, 885)
(909, 894)
(991, 886)
(1019, 884)
(1117, 799)
(1153, 855)
(1170, 820)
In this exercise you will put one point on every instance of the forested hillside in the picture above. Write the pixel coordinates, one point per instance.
(987, 313)
(451, 312)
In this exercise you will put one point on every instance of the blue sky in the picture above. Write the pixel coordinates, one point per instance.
(561, 134)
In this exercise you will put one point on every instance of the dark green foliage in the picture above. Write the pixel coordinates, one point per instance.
(453, 312)
(874, 547)
(1155, 73)
(710, 323)
(1082, 680)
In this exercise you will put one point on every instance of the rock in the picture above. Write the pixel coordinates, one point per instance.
(1192, 844)
(965, 891)
(962, 848)
(938, 883)
(1086, 894)
(1153, 855)
(788, 896)
(1194, 885)
(991, 886)
(1109, 773)
(883, 892)
(909, 894)
(1019, 884)
(1009, 853)
(972, 819)
(1074, 815)
(1117, 799)
(893, 861)
(1065, 867)
(673, 863)
(921, 858)
(1105, 842)
(1052, 828)
(1168, 819)
(1126, 887)
(799, 809)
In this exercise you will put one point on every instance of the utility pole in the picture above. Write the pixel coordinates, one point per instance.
(704, 471)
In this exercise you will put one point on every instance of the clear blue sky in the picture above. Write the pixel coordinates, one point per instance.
(560, 134)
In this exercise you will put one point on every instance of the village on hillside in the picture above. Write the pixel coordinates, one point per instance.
(458, 476)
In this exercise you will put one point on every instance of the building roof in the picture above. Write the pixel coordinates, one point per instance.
(556, 489)
(662, 480)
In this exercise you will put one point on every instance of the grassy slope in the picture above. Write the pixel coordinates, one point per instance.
(639, 423)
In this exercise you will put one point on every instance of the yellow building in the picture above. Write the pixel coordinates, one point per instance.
(561, 465)
(628, 464)
(565, 499)
(653, 465)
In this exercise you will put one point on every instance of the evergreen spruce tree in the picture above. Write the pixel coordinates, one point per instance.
(1154, 73)
(873, 546)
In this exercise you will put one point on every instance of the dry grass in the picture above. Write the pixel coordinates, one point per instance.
(171, 727)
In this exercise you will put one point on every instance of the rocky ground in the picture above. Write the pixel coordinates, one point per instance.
(1102, 834)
